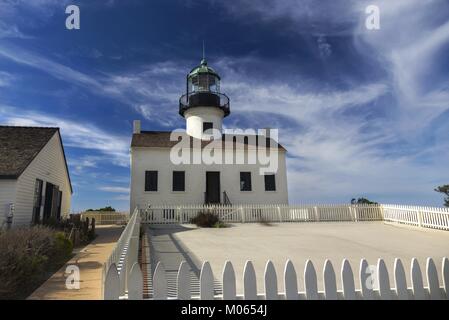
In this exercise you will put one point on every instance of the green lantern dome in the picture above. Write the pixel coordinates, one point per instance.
(203, 68)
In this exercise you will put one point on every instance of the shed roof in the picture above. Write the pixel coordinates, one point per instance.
(20, 145)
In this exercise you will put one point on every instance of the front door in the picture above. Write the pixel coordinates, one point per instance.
(213, 187)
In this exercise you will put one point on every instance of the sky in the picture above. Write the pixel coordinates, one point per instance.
(363, 113)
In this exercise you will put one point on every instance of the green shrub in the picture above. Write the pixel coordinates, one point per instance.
(220, 224)
(207, 220)
(26, 256)
(63, 248)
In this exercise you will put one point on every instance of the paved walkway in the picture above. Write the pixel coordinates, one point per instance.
(299, 242)
(90, 261)
(164, 247)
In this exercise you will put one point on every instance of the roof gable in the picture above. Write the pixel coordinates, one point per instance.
(20, 145)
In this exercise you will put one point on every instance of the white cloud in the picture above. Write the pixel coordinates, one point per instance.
(324, 47)
(124, 198)
(114, 189)
(6, 79)
(150, 90)
(406, 46)
(75, 134)
(10, 31)
(341, 153)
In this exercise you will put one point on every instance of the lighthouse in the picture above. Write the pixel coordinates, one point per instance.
(156, 179)
(203, 105)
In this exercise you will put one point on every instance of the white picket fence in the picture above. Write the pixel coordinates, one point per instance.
(122, 277)
(379, 288)
(171, 214)
(123, 257)
(427, 217)
(106, 218)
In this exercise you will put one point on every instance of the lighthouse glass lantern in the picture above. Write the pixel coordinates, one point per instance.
(203, 90)
(203, 79)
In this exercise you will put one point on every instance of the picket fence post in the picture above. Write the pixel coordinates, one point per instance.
(111, 289)
(419, 218)
(229, 286)
(206, 282)
(279, 213)
(317, 213)
(290, 281)
(242, 213)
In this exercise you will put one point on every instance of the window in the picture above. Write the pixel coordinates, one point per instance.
(150, 180)
(207, 126)
(245, 181)
(179, 181)
(270, 182)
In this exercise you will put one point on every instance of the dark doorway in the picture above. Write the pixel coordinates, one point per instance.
(59, 203)
(212, 187)
(48, 200)
(37, 200)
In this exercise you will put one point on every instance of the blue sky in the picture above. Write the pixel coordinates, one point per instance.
(362, 113)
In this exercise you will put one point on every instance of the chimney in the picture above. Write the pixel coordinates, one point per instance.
(267, 132)
(267, 137)
(136, 126)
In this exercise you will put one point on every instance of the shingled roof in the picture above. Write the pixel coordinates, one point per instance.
(161, 139)
(19, 146)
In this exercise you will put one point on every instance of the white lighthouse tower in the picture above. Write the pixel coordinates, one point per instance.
(203, 106)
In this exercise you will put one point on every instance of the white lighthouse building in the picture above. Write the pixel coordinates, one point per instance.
(205, 164)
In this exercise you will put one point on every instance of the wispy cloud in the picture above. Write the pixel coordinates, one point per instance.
(149, 90)
(409, 57)
(74, 134)
(6, 79)
(114, 189)
(341, 147)
(11, 31)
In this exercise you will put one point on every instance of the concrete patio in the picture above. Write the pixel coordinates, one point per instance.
(297, 242)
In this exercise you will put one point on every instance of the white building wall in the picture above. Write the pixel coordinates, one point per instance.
(7, 195)
(196, 116)
(49, 166)
(158, 159)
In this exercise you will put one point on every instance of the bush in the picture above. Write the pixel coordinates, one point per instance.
(26, 255)
(207, 220)
(63, 248)
(83, 232)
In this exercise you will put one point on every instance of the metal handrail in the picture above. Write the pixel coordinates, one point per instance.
(226, 199)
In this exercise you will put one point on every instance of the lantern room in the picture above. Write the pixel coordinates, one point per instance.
(203, 90)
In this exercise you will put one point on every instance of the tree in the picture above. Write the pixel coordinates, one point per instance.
(362, 201)
(108, 208)
(105, 209)
(444, 190)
